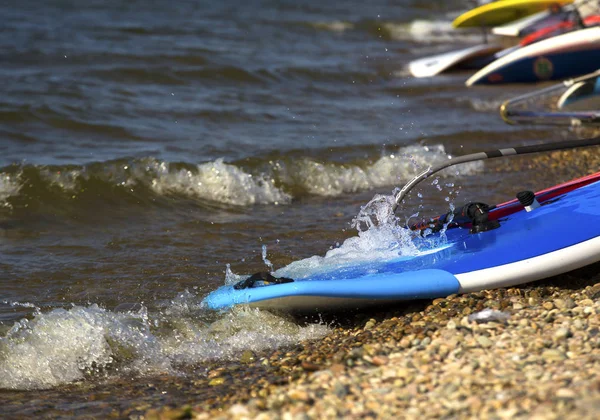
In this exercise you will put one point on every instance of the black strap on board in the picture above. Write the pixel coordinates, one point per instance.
(262, 276)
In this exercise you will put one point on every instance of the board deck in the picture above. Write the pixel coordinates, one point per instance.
(561, 235)
(556, 58)
(436, 64)
(501, 12)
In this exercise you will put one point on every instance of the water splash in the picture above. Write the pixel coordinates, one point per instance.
(66, 345)
(220, 182)
(265, 259)
(380, 238)
(231, 277)
(429, 31)
(377, 212)
(81, 343)
(9, 186)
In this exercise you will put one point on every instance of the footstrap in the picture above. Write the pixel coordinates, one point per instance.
(262, 276)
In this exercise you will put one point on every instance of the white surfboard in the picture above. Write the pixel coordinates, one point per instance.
(436, 64)
(584, 41)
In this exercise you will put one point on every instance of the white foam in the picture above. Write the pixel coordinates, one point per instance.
(9, 186)
(380, 238)
(65, 179)
(220, 182)
(334, 26)
(63, 346)
(391, 169)
(375, 245)
(430, 31)
(242, 328)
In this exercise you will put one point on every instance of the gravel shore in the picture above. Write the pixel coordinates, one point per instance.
(537, 357)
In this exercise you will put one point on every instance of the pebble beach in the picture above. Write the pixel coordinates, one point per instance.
(538, 357)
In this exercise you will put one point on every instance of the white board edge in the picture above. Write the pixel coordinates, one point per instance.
(536, 268)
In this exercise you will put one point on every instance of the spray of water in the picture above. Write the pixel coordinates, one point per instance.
(265, 259)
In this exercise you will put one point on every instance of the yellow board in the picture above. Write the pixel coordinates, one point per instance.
(501, 12)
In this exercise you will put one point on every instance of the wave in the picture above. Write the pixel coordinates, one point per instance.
(333, 26)
(81, 343)
(229, 73)
(262, 181)
(9, 187)
(428, 32)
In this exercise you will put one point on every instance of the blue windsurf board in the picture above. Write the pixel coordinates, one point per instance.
(561, 235)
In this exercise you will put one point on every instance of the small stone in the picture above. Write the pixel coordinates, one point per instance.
(380, 360)
(340, 390)
(370, 324)
(484, 341)
(311, 367)
(560, 303)
(337, 368)
(562, 333)
(586, 302)
(216, 381)
(488, 315)
(299, 395)
(548, 305)
(566, 393)
(238, 410)
(553, 355)
(451, 325)
(248, 356)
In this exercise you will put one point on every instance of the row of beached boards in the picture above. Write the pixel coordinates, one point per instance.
(553, 44)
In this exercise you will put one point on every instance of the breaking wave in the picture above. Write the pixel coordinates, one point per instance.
(262, 182)
(69, 345)
(429, 31)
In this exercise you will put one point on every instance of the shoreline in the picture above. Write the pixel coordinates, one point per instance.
(425, 359)
(433, 362)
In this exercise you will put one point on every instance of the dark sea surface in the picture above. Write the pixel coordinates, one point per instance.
(145, 146)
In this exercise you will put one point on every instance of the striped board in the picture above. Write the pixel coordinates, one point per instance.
(579, 91)
(558, 28)
(501, 12)
(560, 235)
(461, 59)
(560, 57)
(533, 23)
